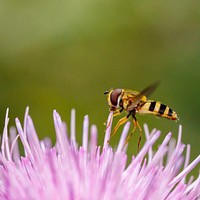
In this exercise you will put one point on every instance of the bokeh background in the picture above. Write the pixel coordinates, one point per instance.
(65, 54)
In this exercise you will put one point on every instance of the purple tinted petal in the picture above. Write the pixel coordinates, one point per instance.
(162, 149)
(14, 150)
(93, 141)
(186, 171)
(123, 137)
(5, 144)
(23, 139)
(85, 132)
(62, 141)
(73, 128)
(108, 130)
(146, 147)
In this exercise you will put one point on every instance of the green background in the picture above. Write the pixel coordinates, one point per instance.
(65, 54)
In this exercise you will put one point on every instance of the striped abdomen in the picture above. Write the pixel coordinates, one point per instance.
(157, 108)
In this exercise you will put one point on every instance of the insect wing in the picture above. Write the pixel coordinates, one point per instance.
(146, 92)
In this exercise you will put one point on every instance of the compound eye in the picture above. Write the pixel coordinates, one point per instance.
(114, 96)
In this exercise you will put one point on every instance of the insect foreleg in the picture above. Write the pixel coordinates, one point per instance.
(119, 123)
(116, 113)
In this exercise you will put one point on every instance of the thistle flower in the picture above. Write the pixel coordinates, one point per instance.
(69, 171)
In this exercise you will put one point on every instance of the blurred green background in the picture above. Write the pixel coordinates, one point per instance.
(65, 54)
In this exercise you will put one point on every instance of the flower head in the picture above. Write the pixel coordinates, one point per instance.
(70, 171)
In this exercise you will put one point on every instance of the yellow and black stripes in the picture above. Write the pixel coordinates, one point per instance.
(157, 108)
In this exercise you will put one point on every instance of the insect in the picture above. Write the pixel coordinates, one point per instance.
(134, 102)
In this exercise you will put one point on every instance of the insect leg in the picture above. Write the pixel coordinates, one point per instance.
(139, 140)
(119, 123)
(116, 113)
(129, 136)
(136, 124)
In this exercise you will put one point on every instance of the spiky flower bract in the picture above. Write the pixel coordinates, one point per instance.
(87, 171)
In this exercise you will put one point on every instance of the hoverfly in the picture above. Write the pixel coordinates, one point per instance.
(134, 102)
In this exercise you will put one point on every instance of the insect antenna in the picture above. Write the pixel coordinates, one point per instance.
(106, 92)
